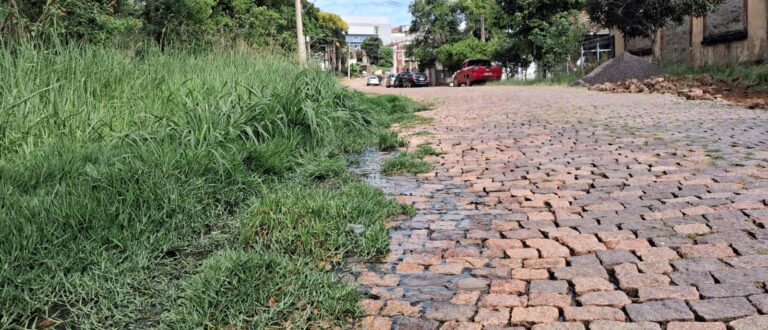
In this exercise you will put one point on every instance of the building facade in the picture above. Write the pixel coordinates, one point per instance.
(362, 27)
(735, 33)
(401, 38)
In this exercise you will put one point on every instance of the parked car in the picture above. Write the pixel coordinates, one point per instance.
(411, 79)
(476, 71)
(373, 80)
(391, 80)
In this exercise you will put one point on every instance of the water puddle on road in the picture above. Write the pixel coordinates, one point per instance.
(367, 165)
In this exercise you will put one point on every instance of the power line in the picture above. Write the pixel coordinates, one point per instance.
(394, 3)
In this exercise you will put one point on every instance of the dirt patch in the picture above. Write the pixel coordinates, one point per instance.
(699, 87)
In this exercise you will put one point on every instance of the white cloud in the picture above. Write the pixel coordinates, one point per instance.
(395, 10)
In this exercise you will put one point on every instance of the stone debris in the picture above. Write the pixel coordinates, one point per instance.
(695, 88)
(699, 89)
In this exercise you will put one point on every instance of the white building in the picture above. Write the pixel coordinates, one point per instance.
(361, 27)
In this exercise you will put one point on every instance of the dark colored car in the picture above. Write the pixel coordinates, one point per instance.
(474, 71)
(411, 79)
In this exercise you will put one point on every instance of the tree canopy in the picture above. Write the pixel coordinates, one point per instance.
(385, 56)
(545, 30)
(642, 18)
(259, 23)
(452, 55)
(371, 46)
(434, 24)
(517, 31)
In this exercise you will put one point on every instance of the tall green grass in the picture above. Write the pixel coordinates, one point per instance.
(170, 190)
(410, 162)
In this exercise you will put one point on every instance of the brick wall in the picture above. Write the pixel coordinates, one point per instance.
(736, 33)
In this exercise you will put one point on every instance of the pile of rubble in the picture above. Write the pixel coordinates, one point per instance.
(694, 88)
(701, 87)
(624, 67)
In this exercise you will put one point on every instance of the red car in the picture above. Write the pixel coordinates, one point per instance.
(474, 71)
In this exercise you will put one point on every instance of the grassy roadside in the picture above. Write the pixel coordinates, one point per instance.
(557, 80)
(754, 76)
(182, 191)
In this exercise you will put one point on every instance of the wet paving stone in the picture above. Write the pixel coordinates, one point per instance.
(574, 211)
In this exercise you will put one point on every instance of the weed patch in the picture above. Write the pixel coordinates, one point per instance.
(410, 162)
(411, 121)
(181, 191)
(389, 141)
(754, 76)
(556, 80)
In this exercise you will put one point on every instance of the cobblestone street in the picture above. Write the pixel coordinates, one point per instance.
(558, 208)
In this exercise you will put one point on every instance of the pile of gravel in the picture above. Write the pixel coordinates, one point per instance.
(624, 67)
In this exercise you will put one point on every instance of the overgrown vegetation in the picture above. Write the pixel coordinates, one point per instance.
(557, 79)
(516, 33)
(182, 191)
(388, 141)
(753, 76)
(190, 24)
(410, 162)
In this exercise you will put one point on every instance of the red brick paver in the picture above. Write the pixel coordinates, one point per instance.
(558, 208)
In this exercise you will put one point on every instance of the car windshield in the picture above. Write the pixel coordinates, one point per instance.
(485, 63)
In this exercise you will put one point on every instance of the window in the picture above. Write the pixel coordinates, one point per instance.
(484, 63)
(376, 30)
(727, 23)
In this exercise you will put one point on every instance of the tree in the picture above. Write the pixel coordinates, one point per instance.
(452, 55)
(558, 38)
(434, 24)
(643, 18)
(183, 21)
(332, 37)
(89, 20)
(535, 27)
(385, 56)
(510, 51)
(218, 23)
(487, 11)
(371, 46)
(332, 27)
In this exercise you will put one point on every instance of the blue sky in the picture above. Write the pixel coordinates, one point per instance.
(395, 10)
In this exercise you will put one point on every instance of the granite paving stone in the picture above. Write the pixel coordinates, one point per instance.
(554, 208)
(660, 311)
(723, 309)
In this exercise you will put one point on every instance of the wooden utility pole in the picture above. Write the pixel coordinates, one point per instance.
(482, 28)
(300, 34)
